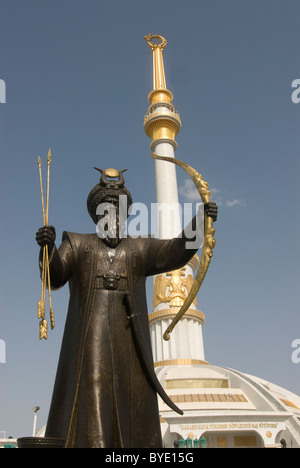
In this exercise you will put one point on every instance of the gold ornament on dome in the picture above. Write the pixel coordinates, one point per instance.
(173, 288)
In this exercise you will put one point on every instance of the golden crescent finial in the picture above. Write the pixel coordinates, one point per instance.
(161, 41)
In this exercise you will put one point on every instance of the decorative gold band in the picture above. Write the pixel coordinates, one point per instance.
(159, 314)
(180, 362)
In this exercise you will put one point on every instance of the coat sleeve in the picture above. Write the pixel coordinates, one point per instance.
(172, 254)
(61, 263)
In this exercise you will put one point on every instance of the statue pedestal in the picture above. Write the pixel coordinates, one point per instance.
(40, 442)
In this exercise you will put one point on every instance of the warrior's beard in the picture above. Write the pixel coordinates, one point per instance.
(109, 230)
(112, 242)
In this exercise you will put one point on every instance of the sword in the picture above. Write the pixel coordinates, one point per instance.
(144, 352)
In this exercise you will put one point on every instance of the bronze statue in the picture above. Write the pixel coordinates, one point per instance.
(105, 392)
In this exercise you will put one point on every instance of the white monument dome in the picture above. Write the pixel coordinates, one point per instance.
(227, 408)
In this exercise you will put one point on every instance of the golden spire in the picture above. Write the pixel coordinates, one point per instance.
(159, 80)
(162, 122)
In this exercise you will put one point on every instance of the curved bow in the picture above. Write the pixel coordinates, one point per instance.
(208, 242)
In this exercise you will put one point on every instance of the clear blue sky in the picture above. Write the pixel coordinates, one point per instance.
(77, 76)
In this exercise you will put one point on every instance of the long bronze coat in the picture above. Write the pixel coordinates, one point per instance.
(105, 388)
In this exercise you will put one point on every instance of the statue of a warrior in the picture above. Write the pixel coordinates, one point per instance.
(105, 392)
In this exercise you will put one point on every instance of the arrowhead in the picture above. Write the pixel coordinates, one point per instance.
(49, 156)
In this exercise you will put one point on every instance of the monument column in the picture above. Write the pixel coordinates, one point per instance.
(162, 123)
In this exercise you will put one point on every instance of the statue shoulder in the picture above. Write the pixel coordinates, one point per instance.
(78, 240)
(138, 243)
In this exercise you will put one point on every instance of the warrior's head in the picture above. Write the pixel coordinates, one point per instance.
(108, 204)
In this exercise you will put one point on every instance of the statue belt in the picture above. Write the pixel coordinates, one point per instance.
(111, 281)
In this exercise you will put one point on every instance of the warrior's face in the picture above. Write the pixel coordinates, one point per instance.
(110, 225)
(108, 204)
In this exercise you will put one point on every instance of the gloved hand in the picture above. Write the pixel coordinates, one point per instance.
(46, 236)
(211, 209)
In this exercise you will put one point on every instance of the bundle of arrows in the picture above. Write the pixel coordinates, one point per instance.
(45, 273)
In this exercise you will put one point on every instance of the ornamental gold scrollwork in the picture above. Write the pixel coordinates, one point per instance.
(208, 243)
